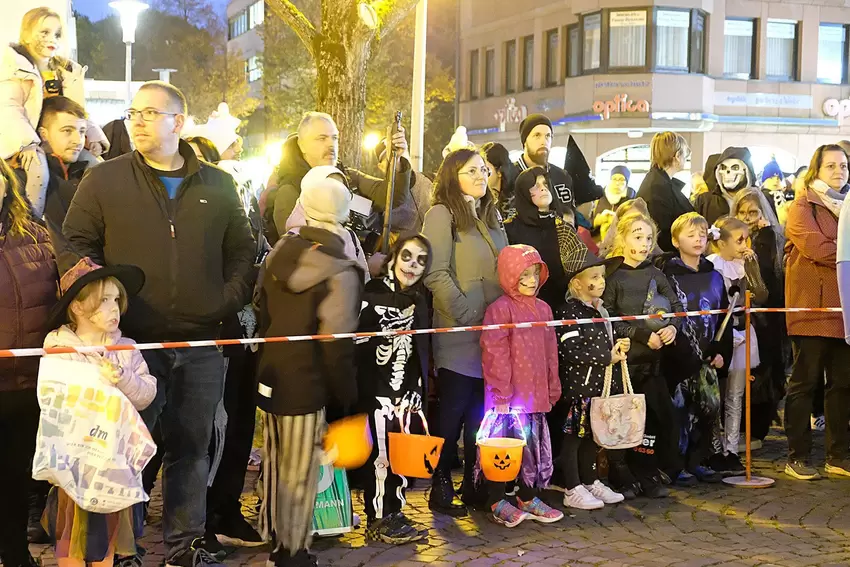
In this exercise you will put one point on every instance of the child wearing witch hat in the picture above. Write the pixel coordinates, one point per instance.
(88, 313)
(584, 352)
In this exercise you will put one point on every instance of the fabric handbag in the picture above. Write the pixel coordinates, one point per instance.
(618, 421)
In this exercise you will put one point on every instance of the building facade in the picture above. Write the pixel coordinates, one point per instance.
(244, 18)
(768, 75)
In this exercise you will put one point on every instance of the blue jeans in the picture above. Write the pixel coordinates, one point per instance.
(190, 384)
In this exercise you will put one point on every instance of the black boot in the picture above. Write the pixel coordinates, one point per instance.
(35, 532)
(443, 498)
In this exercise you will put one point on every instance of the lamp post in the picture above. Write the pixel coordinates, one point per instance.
(417, 107)
(164, 74)
(129, 11)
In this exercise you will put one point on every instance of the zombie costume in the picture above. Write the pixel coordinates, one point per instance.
(391, 371)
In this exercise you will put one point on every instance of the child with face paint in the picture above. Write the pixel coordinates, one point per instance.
(639, 288)
(391, 376)
(738, 265)
(521, 376)
(584, 353)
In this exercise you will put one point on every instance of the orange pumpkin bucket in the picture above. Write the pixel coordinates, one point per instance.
(348, 442)
(414, 455)
(500, 457)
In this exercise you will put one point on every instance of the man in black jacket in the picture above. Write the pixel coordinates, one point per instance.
(181, 221)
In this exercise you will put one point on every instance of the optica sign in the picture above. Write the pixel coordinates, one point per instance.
(620, 104)
(835, 108)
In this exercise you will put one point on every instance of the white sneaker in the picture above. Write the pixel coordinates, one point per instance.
(579, 497)
(602, 492)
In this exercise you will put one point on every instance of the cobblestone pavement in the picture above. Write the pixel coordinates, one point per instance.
(791, 524)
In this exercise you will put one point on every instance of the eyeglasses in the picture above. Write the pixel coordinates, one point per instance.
(148, 114)
(475, 172)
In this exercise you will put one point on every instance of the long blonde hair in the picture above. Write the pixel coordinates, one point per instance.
(19, 211)
(624, 226)
(31, 20)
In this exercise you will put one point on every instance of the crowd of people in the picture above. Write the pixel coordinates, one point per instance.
(168, 241)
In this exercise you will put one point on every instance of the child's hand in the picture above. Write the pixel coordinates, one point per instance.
(109, 372)
(668, 334)
(617, 354)
(717, 362)
(625, 345)
(748, 254)
(655, 342)
(502, 409)
(763, 223)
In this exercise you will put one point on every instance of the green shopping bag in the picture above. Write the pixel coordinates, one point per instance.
(332, 514)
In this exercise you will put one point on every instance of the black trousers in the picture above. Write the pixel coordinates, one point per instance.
(578, 460)
(461, 406)
(240, 405)
(814, 356)
(660, 447)
(19, 413)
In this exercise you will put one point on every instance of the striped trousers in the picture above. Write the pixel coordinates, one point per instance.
(293, 447)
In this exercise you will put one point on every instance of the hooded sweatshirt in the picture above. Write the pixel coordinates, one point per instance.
(520, 365)
(530, 226)
(307, 286)
(716, 202)
(390, 367)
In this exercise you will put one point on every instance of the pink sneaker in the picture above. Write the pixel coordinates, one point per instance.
(507, 514)
(539, 511)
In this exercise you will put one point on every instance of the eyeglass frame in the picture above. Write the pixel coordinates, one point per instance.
(478, 173)
(140, 114)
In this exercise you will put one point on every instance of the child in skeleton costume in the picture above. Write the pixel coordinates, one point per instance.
(521, 375)
(734, 171)
(391, 373)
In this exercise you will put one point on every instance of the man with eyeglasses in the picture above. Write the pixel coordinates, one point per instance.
(536, 134)
(181, 221)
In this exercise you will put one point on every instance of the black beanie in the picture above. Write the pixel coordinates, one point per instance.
(527, 125)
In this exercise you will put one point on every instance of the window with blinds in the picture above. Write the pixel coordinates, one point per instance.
(592, 25)
(627, 38)
(573, 51)
(490, 72)
(671, 39)
(781, 61)
(510, 66)
(832, 54)
(739, 42)
(528, 63)
(552, 71)
(473, 74)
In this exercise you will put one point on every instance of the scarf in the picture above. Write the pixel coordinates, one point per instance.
(832, 199)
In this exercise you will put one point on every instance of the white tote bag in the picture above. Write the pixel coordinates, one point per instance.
(91, 441)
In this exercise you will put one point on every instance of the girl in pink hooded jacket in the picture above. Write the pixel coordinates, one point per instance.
(521, 376)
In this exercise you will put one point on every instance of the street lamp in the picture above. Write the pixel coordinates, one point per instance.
(129, 11)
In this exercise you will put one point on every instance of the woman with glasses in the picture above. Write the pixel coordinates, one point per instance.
(466, 235)
(31, 71)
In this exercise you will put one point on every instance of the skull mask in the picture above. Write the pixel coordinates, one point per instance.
(409, 263)
(733, 174)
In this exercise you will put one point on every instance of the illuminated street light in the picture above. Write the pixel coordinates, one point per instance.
(371, 141)
(129, 11)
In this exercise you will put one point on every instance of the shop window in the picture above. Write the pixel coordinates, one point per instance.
(573, 51)
(627, 38)
(739, 48)
(473, 74)
(490, 72)
(698, 42)
(592, 42)
(528, 63)
(671, 39)
(552, 58)
(781, 50)
(510, 66)
(832, 54)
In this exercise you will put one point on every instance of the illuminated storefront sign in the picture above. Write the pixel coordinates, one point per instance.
(510, 114)
(620, 104)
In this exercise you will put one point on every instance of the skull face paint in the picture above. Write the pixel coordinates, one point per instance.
(732, 174)
(409, 265)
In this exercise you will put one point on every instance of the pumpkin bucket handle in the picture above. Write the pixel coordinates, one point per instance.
(489, 422)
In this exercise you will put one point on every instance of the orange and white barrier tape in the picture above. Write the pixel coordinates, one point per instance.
(27, 352)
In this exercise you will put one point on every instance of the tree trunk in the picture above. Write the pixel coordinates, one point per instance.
(342, 55)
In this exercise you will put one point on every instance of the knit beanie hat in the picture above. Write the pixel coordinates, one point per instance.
(530, 122)
(772, 169)
(622, 170)
(323, 198)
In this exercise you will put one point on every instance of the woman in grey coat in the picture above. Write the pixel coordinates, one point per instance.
(465, 231)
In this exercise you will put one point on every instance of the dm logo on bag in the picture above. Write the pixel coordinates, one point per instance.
(97, 435)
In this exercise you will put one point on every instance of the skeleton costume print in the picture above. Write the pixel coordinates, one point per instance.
(391, 371)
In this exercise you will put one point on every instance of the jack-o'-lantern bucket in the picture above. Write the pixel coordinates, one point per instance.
(414, 455)
(500, 457)
(348, 442)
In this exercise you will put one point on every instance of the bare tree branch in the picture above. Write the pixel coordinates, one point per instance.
(393, 17)
(295, 19)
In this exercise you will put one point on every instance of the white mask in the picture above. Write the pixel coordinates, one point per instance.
(409, 264)
(733, 174)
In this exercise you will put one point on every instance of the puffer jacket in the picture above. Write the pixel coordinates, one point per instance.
(811, 279)
(136, 382)
(20, 108)
(463, 282)
(29, 284)
(520, 365)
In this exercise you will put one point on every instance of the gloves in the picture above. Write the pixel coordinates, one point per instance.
(411, 401)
